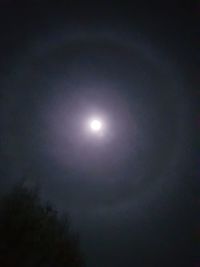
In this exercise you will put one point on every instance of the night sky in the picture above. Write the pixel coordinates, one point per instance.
(130, 192)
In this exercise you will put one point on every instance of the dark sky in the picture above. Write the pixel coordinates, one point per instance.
(131, 194)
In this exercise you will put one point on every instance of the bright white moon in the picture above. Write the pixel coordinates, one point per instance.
(95, 125)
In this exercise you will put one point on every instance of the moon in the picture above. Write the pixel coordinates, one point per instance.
(95, 125)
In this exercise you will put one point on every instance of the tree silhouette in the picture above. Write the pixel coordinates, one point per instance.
(32, 234)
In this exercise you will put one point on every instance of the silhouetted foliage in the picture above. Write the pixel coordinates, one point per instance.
(32, 234)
